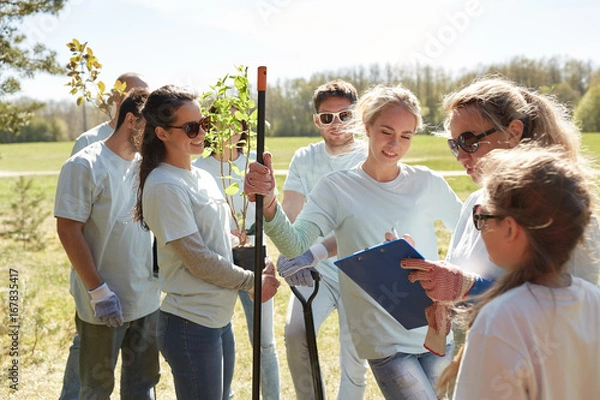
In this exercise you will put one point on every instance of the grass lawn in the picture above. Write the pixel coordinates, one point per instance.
(46, 309)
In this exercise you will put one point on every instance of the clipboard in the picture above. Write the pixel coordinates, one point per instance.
(377, 271)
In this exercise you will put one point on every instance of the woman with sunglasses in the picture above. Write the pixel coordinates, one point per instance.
(184, 208)
(360, 205)
(493, 113)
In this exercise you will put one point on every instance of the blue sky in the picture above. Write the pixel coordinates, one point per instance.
(194, 42)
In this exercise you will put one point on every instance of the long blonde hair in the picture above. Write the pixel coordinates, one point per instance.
(548, 195)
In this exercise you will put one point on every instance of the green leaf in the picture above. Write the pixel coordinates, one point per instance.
(80, 100)
(232, 189)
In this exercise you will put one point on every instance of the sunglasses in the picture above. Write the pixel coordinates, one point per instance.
(479, 218)
(192, 129)
(468, 141)
(327, 118)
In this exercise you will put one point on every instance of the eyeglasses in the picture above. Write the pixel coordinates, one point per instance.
(327, 118)
(468, 141)
(479, 218)
(192, 129)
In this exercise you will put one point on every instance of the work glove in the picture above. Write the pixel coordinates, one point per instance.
(309, 259)
(442, 281)
(260, 179)
(106, 306)
(438, 327)
(296, 271)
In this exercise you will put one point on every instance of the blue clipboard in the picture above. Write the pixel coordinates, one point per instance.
(377, 271)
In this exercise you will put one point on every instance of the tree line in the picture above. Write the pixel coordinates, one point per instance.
(289, 110)
(574, 82)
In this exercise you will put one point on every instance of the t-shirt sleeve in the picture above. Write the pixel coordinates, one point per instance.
(75, 191)
(447, 203)
(168, 212)
(80, 143)
(321, 206)
(293, 182)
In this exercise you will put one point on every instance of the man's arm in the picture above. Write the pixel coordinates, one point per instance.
(78, 250)
(292, 204)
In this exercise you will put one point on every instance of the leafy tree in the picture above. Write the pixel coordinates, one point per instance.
(20, 59)
(83, 70)
(588, 110)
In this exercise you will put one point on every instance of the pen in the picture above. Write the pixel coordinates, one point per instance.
(395, 232)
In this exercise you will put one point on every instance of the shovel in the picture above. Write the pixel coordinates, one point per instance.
(311, 338)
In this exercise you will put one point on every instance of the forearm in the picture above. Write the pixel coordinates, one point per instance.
(210, 266)
(78, 251)
(292, 204)
(331, 245)
(291, 240)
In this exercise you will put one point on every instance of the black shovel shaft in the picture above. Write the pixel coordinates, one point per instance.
(259, 260)
(311, 337)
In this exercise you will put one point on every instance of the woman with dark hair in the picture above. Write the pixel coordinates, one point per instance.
(184, 208)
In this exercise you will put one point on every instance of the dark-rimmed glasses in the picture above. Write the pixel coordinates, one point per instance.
(326, 118)
(479, 217)
(468, 141)
(192, 129)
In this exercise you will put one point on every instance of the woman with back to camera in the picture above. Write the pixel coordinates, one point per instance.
(534, 334)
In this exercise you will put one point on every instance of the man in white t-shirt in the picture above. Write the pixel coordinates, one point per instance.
(70, 389)
(116, 293)
(99, 132)
(333, 103)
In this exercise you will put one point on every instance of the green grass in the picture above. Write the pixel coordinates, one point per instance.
(47, 310)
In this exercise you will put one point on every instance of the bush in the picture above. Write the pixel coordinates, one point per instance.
(28, 213)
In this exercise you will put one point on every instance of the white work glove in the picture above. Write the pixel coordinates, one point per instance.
(309, 259)
(106, 306)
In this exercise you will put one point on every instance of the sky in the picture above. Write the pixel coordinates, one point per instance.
(195, 42)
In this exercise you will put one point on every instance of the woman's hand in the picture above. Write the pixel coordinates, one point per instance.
(260, 179)
(270, 283)
(442, 281)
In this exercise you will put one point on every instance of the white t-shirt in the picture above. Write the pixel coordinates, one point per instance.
(467, 249)
(98, 188)
(307, 167)
(360, 210)
(96, 134)
(213, 166)
(176, 204)
(534, 342)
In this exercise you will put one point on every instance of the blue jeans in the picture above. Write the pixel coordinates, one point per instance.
(70, 389)
(353, 369)
(410, 376)
(201, 358)
(269, 364)
(99, 351)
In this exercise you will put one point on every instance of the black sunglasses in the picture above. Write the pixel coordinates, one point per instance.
(468, 141)
(479, 218)
(192, 129)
